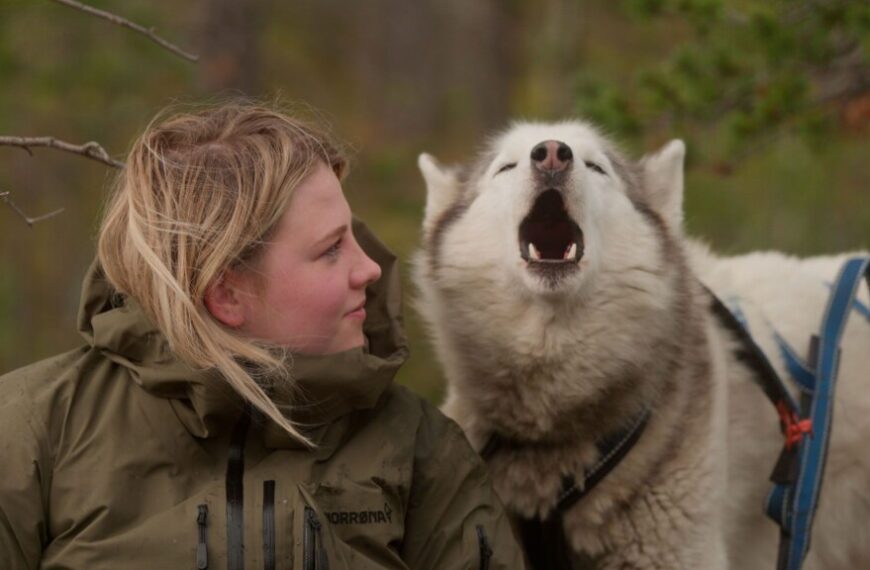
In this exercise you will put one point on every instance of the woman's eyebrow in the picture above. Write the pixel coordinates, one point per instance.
(334, 234)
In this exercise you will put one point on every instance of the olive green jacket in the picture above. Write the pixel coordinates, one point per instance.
(117, 455)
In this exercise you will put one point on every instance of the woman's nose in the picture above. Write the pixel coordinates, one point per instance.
(366, 272)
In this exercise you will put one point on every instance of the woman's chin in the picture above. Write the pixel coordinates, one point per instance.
(350, 340)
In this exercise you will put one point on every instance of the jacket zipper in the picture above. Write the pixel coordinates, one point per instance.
(269, 525)
(201, 546)
(235, 494)
(313, 555)
(485, 550)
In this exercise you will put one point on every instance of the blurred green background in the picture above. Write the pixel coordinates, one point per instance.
(772, 97)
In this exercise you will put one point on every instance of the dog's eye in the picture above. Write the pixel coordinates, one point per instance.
(506, 167)
(594, 166)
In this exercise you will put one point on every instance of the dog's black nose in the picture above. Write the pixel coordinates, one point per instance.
(552, 155)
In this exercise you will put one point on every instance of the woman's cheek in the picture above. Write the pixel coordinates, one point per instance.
(330, 297)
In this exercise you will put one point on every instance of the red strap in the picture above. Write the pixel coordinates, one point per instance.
(793, 427)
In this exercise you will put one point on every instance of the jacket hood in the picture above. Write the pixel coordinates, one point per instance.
(322, 388)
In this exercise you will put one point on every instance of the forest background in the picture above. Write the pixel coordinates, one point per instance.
(772, 97)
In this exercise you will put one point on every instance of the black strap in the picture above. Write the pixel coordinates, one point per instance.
(612, 450)
(544, 540)
(544, 543)
(750, 353)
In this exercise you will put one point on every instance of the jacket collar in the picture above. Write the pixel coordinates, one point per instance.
(323, 387)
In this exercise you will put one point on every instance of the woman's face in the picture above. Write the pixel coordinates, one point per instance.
(312, 274)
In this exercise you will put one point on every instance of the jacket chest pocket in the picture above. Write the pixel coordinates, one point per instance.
(361, 522)
(292, 531)
(274, 528)
(281, 525)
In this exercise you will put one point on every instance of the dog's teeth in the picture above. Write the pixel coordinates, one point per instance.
(533, 252)
(571, 252)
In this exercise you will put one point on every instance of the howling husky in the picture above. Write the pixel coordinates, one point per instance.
(566, 306)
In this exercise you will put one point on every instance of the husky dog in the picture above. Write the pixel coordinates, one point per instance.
(564, 300)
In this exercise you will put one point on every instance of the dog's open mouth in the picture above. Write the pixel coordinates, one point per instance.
(549, 239)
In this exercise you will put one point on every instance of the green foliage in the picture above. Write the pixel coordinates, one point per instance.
(759, 68)
(702, 14)
(608, 106)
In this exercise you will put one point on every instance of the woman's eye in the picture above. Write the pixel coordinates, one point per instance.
(333, 249)
(594, 166)
(506, 167)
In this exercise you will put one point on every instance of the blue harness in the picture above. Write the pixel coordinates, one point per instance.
(806, 425)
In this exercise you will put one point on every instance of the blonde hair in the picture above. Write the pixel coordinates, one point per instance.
(200, 193)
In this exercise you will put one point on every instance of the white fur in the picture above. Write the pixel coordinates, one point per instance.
(443, 183)
(789, 295)
(664, 173)
(523, 358)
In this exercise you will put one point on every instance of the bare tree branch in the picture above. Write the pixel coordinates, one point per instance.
(4, 196)
(149, 32)
(90, 149)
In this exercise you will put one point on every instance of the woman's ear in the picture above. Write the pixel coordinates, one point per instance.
(223, 301)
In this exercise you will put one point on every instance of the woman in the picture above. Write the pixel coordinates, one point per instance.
(233, 405)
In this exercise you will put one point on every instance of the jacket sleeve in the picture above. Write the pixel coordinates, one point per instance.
(454, 519)
(23, 529)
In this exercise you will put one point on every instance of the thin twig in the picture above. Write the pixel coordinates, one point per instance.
(90, 149)
(4, 196)
(149, 32)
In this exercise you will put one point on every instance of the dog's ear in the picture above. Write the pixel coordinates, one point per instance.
(663, 182)
(442, 188)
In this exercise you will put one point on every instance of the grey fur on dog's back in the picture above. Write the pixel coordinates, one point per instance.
(554, 364)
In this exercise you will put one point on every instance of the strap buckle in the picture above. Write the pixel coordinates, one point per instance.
(794, 428)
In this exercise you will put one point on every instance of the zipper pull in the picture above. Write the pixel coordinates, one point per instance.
(312, 519)
(314, 554)
(201, 548)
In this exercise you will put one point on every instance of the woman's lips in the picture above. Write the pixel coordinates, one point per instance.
(359, 312)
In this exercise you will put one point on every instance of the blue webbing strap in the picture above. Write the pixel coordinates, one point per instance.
(794, 507)
(857, 305)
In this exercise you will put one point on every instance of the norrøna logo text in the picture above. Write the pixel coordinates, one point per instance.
(361, 517)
